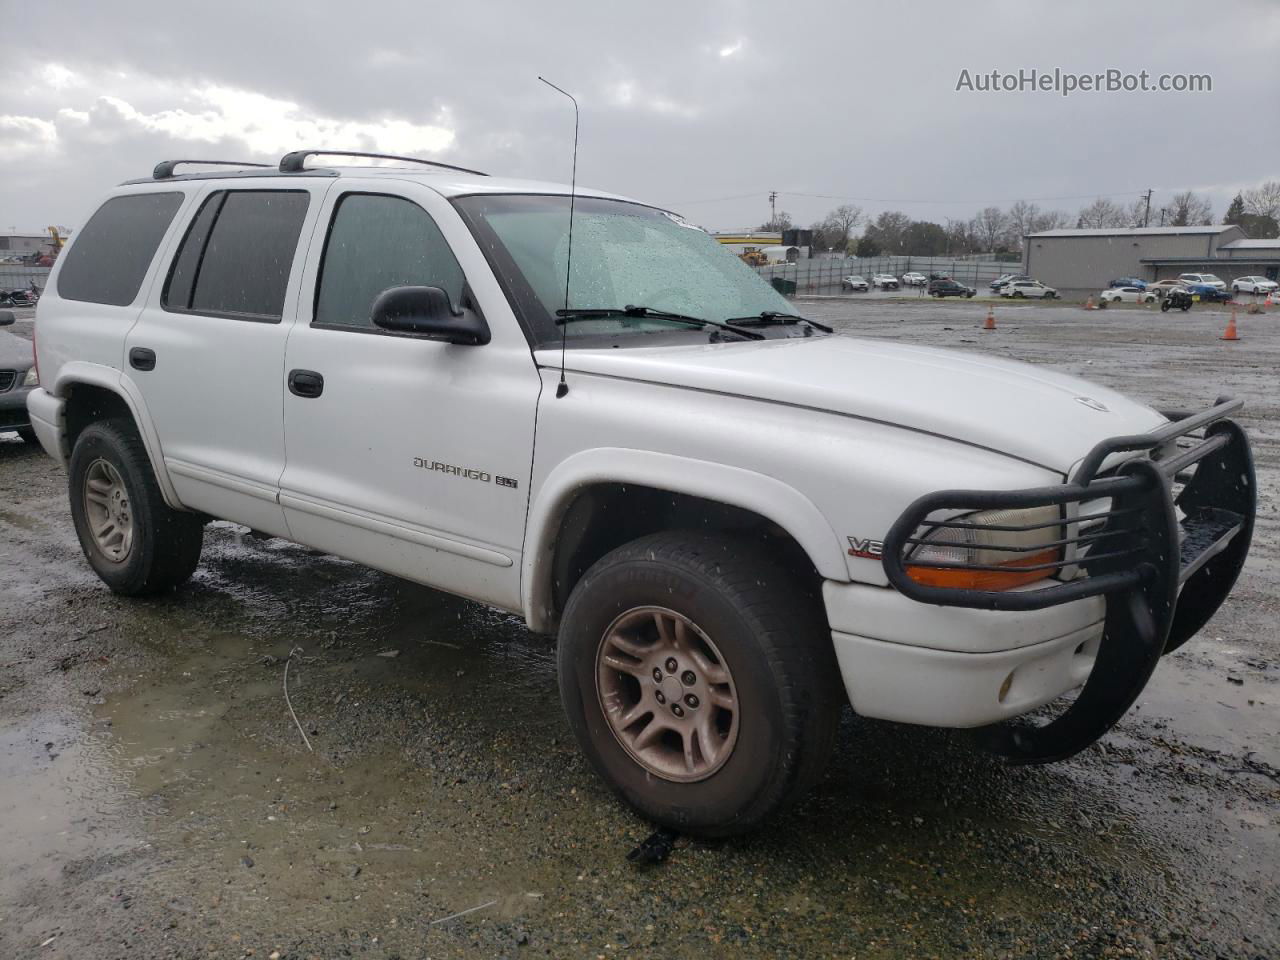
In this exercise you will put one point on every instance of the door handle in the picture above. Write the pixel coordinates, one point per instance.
(142, 358)
(305, 383)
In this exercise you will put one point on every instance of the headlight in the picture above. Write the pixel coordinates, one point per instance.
(32, 379)
(988, 550)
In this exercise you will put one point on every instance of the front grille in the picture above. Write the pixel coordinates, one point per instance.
(7, 379)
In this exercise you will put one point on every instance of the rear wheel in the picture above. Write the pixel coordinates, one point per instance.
(133, 540)
(699, 681)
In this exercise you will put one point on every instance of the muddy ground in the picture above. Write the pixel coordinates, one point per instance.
(157, 800)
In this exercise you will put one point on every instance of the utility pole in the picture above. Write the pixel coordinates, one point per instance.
(1146, 220)
(1162, 210)
(773, 209)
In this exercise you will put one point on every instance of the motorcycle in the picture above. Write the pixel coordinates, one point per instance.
(1176, 298)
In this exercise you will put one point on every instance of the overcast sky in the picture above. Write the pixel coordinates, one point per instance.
(701, 105)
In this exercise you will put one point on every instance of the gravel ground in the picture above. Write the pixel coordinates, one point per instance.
(158, 800)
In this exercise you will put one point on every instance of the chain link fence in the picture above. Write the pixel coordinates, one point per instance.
(823, 276)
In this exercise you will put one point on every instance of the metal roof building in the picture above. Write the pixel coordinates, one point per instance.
(1090, 259)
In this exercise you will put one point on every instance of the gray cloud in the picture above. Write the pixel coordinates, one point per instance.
(682, 103)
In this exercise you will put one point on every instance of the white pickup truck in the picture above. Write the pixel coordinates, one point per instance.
(732, 519)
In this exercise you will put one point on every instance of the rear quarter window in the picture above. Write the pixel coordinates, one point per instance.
(111, 253)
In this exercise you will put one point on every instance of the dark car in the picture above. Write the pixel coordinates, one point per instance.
(947, 287)
(1129, 282)
(1208, 293)
(17, 377)
(1000, 282)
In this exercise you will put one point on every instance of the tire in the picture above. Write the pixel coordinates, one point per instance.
(28, 435)
(1185, 307)
(163, 545)
(1018, 294)
(774, 645)
(1164, 306)
(1050, 296)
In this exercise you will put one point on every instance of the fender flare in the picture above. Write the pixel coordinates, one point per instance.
(109, 378)
(757, 492)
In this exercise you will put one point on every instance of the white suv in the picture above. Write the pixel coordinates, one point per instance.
(731, 519)
(1204, 279)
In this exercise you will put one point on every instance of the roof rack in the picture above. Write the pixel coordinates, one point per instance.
(295, 162)
(164, 169)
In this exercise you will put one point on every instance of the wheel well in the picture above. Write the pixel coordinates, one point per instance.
(88, 404)
(605, 516)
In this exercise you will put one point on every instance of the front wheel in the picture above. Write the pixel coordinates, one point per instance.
(135, 542)
(699, 681)
(1164, 306)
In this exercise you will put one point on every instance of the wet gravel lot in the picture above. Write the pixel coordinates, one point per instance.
(158, 801)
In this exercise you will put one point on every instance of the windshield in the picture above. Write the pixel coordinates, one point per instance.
(624, 254)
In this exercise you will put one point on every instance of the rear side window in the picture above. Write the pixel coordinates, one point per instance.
(111, 253)
(236, 256)
(376, 242)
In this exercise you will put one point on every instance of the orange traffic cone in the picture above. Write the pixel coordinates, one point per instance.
(1088, 304)
(1231, 333)
(1269, 301)
(990, 323)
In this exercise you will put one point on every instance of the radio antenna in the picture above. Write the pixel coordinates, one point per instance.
(562, 388)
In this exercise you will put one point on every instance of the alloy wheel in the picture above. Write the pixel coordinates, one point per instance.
(667, 694)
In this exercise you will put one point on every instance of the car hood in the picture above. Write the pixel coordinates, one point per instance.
(1020, 410)
(15, 352)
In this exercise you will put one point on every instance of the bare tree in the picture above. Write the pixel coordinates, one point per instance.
(781, 221)
(1263, 201)
(1051, 220)
(989, 228)
(840, 223)
(1188, 208)
(1022, 220)
(1100, 214)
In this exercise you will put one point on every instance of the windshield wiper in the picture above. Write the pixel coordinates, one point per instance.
(766, 317)
(646, 313)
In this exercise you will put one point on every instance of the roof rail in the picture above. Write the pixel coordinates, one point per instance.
(164, 169)
(295, 162)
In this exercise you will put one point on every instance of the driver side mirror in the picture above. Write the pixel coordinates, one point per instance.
(6, 318)
(428, 312)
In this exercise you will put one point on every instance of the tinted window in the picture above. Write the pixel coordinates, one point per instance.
(236, 257)
(182, 277)
(376, 242)
(110, 255)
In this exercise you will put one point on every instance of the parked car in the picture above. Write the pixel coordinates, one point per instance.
(946, 287)
(1253, 285)
(1208, 292)
(1203, 279)
(1028, 288)
(1000, 282)
(716, 604)
(855, 283)
(17, 378)
(1129, 282)
(1162, 287)
(914, 279)
(1126, 295)
(885, 281)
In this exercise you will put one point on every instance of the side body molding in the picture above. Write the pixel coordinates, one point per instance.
(97, 375)
(761, 494)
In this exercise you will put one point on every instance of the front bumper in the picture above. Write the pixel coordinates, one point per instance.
(1163, 560)
(13, 408)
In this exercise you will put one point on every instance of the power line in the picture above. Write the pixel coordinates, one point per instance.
(829, 196)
